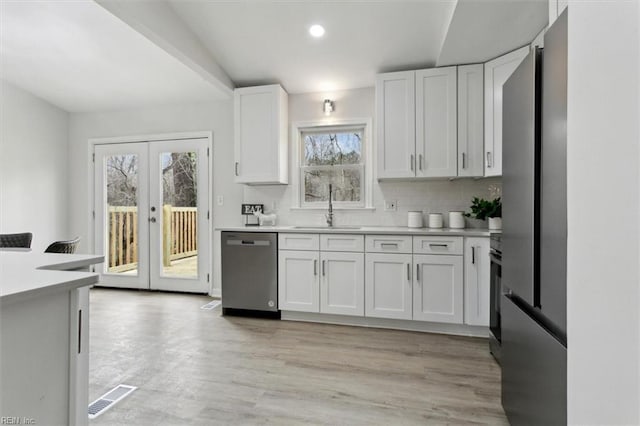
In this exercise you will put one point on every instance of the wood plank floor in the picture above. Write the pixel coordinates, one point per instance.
(194, 366)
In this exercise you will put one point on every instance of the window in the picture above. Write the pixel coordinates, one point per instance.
(332, 155)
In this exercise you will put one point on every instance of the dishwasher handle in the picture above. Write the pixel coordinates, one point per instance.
(251, 243)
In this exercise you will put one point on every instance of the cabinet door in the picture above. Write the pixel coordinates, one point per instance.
(437, 293)
(496, 72)
(298, 281)
(342, 283)
(395, 123)
(261, 135)
(388, 289)
(436, 118)
(471, 120)
(476, 281)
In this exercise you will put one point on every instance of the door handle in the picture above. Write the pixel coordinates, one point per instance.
(473, 255)
(236, 169)
(464, 158)
(152, 219)
(418, 272)
(315, 267)
(408, 272)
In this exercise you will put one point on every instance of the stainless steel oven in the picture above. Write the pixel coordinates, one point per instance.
(495, 335)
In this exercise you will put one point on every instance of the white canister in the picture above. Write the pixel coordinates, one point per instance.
(435, 220)
(456, 220)
(414, 220)
(495, 223)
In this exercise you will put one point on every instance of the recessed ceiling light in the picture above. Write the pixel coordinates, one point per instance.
(316, 30)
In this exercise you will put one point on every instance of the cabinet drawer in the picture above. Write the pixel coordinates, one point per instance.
(388, 243)
(338, 242)
(298, 242)
(437, 245)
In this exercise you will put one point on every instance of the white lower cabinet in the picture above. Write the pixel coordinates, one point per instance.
(342, 283)
(476, 281)
(438, 288)
(436, 279)
(298, 281)
(388, 291)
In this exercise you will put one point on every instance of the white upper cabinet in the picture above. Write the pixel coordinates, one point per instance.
(396, 130)
(496, 73)
(436, 132)
(261, 135)
(430, 123)
(471, 120)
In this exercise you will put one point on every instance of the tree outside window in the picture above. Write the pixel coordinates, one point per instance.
(332, 155)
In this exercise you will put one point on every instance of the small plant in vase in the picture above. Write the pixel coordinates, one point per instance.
(487, 209)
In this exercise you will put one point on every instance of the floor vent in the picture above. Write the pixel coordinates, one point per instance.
(109, 399)
(211, 305)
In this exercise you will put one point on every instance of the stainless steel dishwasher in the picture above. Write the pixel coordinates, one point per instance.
(250, 273)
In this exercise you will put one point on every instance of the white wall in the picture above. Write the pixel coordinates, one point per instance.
(429, 196)
(603, 183)
(33, 167)
(215, 116)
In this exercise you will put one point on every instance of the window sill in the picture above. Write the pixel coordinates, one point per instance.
(325, 208)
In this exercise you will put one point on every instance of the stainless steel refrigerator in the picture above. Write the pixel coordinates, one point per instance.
(534, 304)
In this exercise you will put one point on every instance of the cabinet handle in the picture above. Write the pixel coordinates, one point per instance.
(420, 158)
(315, 267)
(438, 245)
(473, 255)
(408, 272)
(418, 272)
(383, 245)
(323, 268)
(488, 159)
(236, 169)
(80, 331)
(464, 162)
(411, 162)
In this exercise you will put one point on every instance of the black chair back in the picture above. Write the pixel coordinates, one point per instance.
(22, 240)
(68, 247)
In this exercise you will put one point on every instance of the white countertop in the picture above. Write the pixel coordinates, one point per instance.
(395, 230)
(27, 274)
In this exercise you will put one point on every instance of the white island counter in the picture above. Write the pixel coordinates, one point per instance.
(44, 337)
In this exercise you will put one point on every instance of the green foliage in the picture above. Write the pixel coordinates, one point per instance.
(482, 209)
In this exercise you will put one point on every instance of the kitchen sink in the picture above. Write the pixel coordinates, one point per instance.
(326, 227)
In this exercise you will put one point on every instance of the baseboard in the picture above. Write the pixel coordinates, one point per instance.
(426, 327)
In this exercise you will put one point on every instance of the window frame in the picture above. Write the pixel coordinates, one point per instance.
(299, 129)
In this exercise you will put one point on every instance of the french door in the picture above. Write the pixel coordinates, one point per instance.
(151, 215)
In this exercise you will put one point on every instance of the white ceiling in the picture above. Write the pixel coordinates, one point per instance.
(268, 41)
(79, 57)
(483, 30)
(84, 57)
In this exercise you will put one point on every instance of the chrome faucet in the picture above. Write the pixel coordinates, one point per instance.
(329, 215)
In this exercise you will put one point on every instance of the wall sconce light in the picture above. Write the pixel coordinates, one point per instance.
(327, 107)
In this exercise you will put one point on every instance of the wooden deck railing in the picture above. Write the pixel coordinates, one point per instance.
(179, 235)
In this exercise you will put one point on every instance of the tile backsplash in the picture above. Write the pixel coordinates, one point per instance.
(432, 196)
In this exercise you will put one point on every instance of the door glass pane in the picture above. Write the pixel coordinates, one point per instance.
(179, 214)
(122, 214)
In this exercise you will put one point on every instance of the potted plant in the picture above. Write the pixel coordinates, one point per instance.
(487, 209)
